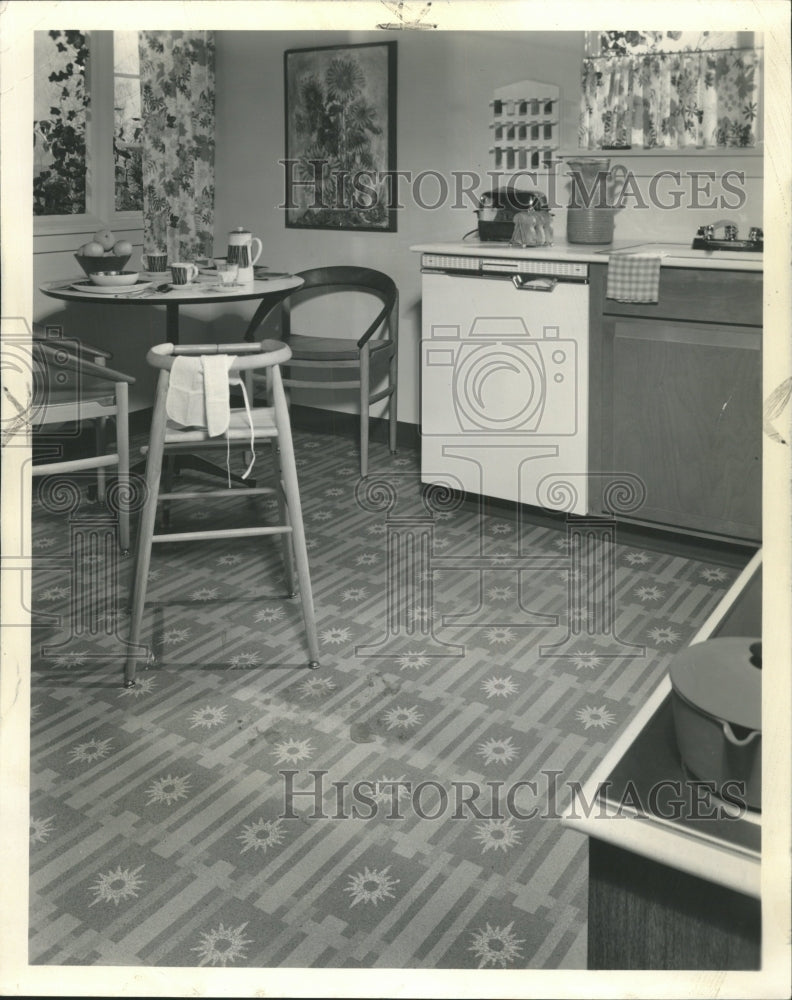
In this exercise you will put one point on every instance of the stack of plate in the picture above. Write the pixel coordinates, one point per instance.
(111, 282)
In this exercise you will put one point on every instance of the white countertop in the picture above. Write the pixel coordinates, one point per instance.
(672, 254)
(682, 847)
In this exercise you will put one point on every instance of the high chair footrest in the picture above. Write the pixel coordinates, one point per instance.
(240, 491)
(194, 536)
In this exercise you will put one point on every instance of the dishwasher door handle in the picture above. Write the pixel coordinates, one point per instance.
(526, 283)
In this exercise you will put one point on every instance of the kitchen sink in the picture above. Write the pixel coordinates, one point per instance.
(684, 250)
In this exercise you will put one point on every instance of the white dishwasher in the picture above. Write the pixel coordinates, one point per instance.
(504, 366)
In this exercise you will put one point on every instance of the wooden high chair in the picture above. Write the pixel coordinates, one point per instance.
(270, 424)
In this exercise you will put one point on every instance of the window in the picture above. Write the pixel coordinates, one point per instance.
(127, 122)
(86, 131)
(60, 122)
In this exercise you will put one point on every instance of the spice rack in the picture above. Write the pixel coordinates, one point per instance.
(525, 124)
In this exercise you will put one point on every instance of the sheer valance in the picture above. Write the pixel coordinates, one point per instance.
(671, 100)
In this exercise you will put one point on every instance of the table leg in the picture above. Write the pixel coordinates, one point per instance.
(172, 322)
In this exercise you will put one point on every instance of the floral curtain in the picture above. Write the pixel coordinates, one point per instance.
(670, 100)
(178, 96)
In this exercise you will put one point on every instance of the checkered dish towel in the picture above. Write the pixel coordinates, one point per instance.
(633, 277)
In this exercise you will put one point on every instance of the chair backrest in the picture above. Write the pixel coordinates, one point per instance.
(64, 377)
(336, 279)
(264, 354)
(342, 276)
(70, 388)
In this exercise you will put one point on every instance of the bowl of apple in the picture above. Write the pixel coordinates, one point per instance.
(102, 254)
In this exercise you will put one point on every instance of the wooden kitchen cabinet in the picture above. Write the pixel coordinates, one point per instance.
(645, 915)
(680, 395)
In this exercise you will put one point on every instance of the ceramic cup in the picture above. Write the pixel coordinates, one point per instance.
(155, 262)
(183, 272)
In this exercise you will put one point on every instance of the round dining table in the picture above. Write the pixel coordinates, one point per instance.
(159, 291)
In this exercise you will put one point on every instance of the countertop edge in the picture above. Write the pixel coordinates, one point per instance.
(577, 254)
(677, 848)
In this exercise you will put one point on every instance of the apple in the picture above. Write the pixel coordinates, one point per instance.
(92, 249)
(122, 248)
(106, 238)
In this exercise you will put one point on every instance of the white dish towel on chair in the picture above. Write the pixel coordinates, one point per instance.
(198, 392)
(198, 397)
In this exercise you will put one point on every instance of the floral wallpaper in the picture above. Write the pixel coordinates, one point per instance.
(670, 100)
(178, 96)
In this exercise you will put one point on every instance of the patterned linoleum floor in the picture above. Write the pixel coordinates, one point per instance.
(162, 830)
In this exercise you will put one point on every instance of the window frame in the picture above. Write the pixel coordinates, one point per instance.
(100, 167)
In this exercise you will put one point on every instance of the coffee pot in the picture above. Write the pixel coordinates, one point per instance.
(240, 251)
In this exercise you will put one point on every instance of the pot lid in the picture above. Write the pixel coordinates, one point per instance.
(722, 677)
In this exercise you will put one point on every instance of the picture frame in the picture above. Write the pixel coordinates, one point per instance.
(340, 143)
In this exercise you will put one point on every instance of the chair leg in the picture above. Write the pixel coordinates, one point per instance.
(145, 533)
(393, 410)
(365, 392)
(122, 448)
(287, 549)
(100, 428)
(292, 491)
(169, 465)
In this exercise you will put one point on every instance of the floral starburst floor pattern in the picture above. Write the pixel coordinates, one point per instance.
(235, 809)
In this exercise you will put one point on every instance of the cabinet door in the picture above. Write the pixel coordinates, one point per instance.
(685, 416)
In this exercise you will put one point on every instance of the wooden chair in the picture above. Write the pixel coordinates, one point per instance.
(269, 424)
(358, 355)
(71, 384)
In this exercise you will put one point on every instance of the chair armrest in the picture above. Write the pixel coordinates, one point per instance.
(263, 310)
(75, 363)
(378, 320)
(76, 347)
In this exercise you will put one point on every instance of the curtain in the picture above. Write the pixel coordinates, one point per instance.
(178, 97)
(670, 100)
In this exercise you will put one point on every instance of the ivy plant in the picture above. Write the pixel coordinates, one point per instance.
(59, 189)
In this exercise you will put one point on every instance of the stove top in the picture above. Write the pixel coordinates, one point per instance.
(684, 250)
